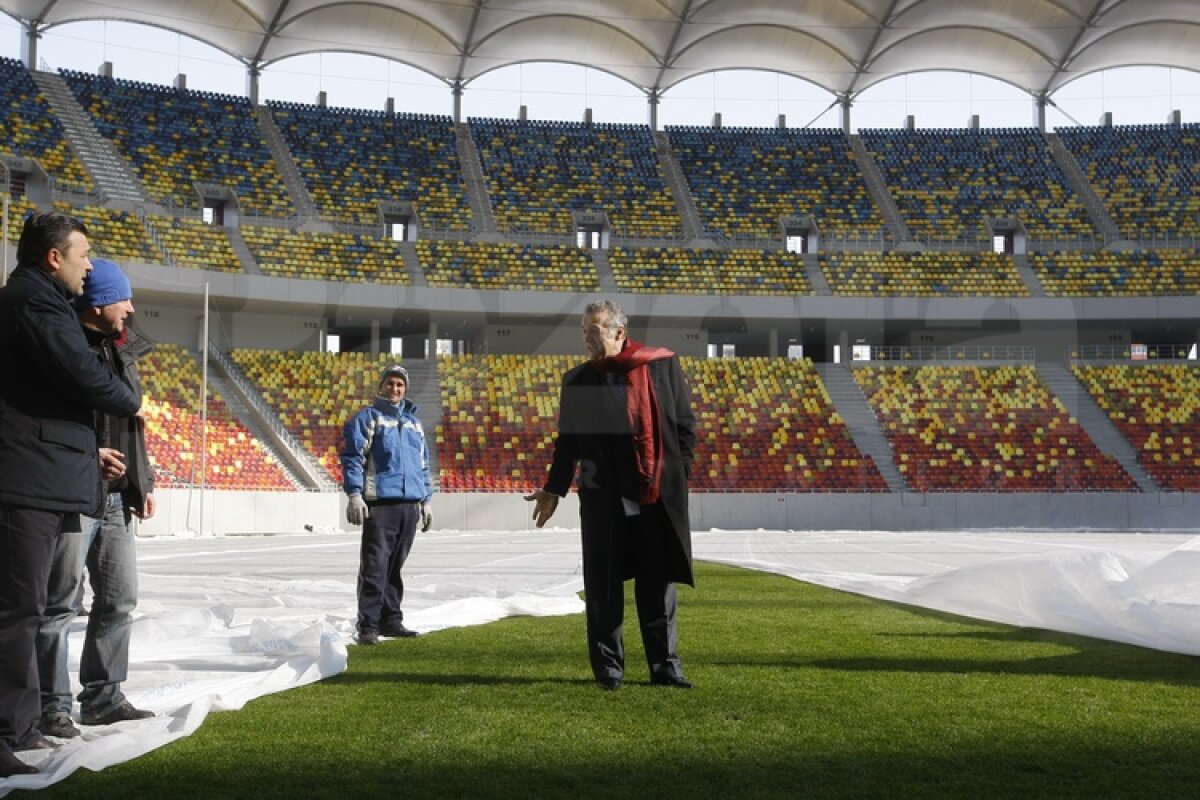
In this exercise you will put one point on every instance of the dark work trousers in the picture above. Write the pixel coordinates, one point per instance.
(387, 536)
(27, 539)
(635, 544)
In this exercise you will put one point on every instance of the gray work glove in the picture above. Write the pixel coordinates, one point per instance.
(356, 510)
(426, 516)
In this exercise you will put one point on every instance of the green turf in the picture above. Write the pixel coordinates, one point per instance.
(802, 692)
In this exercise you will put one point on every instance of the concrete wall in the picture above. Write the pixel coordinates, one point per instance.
(230, 513)
(180, 512)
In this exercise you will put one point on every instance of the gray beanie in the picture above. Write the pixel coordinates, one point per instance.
(389, 371)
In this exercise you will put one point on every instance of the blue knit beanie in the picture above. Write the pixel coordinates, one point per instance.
(104, 285)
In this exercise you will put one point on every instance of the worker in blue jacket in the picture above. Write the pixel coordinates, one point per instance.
(385, 473)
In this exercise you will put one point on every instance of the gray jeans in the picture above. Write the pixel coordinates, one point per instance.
(106, 547)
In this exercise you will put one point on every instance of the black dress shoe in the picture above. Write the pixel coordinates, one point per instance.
(397, 631)
(674, 681)
(11, 765)
(122, 712)
(58, 724)
(609, 684)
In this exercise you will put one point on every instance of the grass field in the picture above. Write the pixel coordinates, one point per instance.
(802, 692)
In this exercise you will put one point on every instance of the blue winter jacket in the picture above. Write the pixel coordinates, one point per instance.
(384, 455)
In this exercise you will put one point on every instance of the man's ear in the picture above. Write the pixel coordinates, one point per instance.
(54, 259)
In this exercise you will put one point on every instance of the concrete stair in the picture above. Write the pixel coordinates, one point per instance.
(604, 272)
(816, 276)
(412, 263)
(472, 172)
(1091, 201)
(879, 191)
(1028, 276)
(301, 199)
(426, 392)
(1093, 419)
(114, 177)
(861, 422)
(692, 228)
(242, 250)
(262, 421)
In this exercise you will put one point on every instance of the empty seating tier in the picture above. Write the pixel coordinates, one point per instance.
(176, 138)
(933, 274)
(1118, 274)
(1147, 175)
(506, 265)
(767, 424)
(762, 425)
(499, 414)
(18, 207)
(1157, 408)
(727, 272)
(985, 429)
(114, 234)
(195, 244)
(338, 257)
(352, 160)
(179, 438)
(538, 173)
(745, 180)
(948, 183)
(314, 393)
(32, 131)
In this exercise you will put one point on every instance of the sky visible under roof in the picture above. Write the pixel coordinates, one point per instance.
(561, 91)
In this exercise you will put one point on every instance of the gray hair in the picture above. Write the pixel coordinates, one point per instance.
(616, 317)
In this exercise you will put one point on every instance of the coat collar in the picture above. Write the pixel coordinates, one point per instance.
(385, 406)
(37, 274)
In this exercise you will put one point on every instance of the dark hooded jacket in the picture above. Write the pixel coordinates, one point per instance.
(120, 354)
(51, 385)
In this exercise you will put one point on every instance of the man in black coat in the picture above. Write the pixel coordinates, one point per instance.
(52, 384)
(625, 425)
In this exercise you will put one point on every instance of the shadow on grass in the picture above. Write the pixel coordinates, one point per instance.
(1092, 658)
(1076, 665)
(1067, 770)
(448, 679)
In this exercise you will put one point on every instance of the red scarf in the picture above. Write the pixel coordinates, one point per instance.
(642, 406)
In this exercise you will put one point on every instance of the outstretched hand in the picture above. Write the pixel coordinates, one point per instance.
(545, 503)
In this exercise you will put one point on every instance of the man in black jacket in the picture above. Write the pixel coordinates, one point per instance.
(106, 543)
(625, 423)
(51, 385)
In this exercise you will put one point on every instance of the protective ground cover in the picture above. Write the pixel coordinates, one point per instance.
(223, 621)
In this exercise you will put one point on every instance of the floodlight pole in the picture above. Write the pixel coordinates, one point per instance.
(203, 407)
(4, 238)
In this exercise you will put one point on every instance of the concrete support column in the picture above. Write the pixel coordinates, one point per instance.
(252, 76)
(29, 45)
(1039, 111)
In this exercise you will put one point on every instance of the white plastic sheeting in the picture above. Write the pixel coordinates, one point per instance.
(223, 621)
(1136, 588)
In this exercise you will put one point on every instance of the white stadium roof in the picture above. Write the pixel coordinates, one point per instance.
(844, 46)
